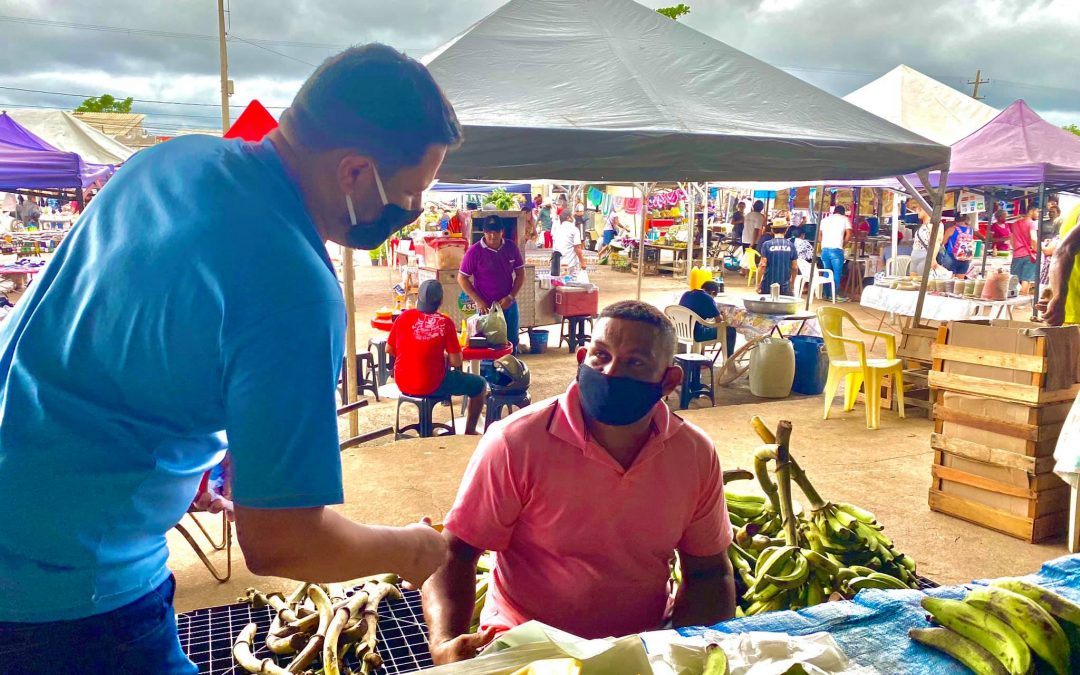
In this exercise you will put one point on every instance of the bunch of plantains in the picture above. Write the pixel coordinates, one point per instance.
(1005, 628)
(317, 622)
(789, 560)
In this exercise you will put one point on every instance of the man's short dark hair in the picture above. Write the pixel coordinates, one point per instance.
(840, 209)
(492, 224)
(759, 206)
(710, 287)
(643, 312)
(377, 101)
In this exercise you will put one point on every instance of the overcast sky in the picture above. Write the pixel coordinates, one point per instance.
(1028, 49)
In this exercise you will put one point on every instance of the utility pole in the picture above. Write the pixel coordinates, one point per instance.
(977, 81)
(223, 55)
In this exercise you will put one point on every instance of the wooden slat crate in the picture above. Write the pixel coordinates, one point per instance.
(998, 411)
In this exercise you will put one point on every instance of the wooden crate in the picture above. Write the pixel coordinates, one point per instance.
(1006, 361)
(999, 406)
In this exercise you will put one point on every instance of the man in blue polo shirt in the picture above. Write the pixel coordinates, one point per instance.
(194, 296)
(778, 264)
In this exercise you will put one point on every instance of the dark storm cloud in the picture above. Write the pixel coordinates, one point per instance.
(1028, 48)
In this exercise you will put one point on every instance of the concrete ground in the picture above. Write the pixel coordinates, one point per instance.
(886, 471)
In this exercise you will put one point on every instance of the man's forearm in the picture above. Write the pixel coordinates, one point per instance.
(449, 598)
(320, 545)
(704, 599)
(1062, 266)
(470, 290)
(519, 281)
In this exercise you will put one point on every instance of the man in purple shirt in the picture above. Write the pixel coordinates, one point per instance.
(492, 272)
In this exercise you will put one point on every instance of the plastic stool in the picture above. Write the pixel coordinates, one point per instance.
(426, 426)
(572, 331)
(366, 377)
(692, 387)
(496, 402)
(383, 369)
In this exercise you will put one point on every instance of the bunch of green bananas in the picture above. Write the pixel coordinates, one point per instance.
(1001, 628)
(483, 581)
(852, 537)
(786, 577)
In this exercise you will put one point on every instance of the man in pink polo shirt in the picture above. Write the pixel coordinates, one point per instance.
(586, 498)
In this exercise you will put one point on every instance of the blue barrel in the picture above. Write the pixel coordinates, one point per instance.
(811, 364)
(538, 341)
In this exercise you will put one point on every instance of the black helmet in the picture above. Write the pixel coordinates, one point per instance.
(510, 376)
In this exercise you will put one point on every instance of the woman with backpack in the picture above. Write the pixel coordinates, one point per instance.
(959, 247)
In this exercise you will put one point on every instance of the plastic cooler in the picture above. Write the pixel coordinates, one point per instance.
(576, 301)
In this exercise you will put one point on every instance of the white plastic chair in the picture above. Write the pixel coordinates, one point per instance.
(898, 266)
(823, 277)
(685, 320)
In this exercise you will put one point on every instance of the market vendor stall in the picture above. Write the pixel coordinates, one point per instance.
(939, 306)
(753, 325)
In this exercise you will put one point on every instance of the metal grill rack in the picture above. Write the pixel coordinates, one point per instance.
(207, 635)
(925, 583)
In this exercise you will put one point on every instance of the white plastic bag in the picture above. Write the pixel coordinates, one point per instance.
(755, 653)
(1067, 453)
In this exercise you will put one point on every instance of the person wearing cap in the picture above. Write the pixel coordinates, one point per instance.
(219, 312)
(778, 263)
(492, 272)
(427, 355)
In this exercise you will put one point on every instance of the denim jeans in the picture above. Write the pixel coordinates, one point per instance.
(512, 323)
(136, 638)
(833, 259)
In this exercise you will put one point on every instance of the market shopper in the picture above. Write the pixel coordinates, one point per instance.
(1023, 238)
(754, 225)
(738, 223)
(492, 272)
(778, 265)
(586, 498)
(196, 295)
(1064, 283)
(834, 233)
(959, 246)
(427, 355)
(1000, 233)
(566, 240)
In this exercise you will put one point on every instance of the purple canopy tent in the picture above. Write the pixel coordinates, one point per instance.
(1018, 150)
(29, 163)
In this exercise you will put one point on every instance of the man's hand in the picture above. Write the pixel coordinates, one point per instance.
(211, 502)
(429, 554)
(482, 307)
(461, 648)
(506, 302)
(1054, 314)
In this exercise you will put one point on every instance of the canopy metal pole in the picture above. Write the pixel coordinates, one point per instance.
(691, 197)
(1038, 252)
(813, 259)
(644, 188)
(935, 228)
(991, 197)
(705, 229)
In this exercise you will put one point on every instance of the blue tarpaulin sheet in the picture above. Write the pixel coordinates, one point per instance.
(872, 628)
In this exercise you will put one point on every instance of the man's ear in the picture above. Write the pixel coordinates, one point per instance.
(351, 170)
(581, 352)
(672, 378)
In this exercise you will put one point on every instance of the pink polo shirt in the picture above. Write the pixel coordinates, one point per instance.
(583, 545)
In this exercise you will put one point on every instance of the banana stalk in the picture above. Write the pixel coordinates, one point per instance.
(246, 659)
(330, 656)
(314, 646)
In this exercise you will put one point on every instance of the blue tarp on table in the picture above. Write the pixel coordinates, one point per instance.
(872, 628)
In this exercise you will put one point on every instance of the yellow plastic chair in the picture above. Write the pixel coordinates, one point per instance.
(861, 372)
(752, 267)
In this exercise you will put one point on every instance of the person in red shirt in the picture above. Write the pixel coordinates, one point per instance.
(422, 341)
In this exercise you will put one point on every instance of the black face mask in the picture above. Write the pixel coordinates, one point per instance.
(616, 401)
(370, 235)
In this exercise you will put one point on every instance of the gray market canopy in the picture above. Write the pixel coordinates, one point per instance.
(611, 91)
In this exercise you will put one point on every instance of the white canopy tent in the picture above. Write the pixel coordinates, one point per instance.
(921, 104)
(64, 131)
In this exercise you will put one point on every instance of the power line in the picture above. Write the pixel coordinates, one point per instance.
(136, 100)
(255, 44)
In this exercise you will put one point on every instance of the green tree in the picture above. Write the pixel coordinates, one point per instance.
(1073, 128)
(675, 12)
(105, 103)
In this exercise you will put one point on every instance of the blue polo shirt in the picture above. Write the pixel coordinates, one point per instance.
(194, 296)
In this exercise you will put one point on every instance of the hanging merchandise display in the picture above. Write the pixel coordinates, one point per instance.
(632, 205)
(666, 199)
(595, 197)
